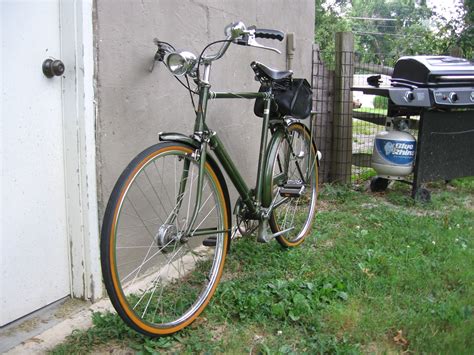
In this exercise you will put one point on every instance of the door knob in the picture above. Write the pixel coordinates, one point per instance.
(53, 68)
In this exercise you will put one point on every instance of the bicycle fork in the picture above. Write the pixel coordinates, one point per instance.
(200, 156)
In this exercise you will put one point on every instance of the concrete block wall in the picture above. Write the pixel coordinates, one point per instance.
(134, 104)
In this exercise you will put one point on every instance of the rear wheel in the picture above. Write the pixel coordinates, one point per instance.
(159, 279)
(295, 168)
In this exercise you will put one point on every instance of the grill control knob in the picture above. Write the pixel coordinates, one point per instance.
(453, 97)
(472, 96)
(409, 96)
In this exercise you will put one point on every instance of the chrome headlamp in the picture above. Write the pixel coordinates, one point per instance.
(181, 63)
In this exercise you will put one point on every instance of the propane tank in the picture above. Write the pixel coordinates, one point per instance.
(394, 152)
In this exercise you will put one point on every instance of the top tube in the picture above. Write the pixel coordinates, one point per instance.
(239, 95)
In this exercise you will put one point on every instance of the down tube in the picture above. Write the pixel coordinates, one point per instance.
(233, 172)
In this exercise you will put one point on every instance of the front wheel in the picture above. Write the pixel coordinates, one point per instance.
(294, 185)
(159, 279)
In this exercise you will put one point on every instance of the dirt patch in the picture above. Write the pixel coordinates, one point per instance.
(228, 276)
(218, 331)
(379, 348)
(324, 206)
(469, 203)
(113, 349)
(326, 244)
(26, 326)
(70, 307)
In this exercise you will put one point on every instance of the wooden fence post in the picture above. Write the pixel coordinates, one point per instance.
(342, 122)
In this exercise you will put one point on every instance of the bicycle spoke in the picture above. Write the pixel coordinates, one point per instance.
(178, 204)
(145, 260)
(148, 200)
(161, 180)
(156, 193)
(149, 232)
(213, 208)
(146, 290)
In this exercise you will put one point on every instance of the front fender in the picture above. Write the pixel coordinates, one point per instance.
(178, 137)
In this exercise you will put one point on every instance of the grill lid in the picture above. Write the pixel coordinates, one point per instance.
(428, 71)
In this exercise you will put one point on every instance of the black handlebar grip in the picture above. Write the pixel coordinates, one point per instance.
(270, 34)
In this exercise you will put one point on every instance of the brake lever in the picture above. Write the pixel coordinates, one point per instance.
(253, 43)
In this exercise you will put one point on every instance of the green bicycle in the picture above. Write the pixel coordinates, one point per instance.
(168, 223)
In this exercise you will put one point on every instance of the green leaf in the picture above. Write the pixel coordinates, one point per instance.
(278, 309)
(343, 296)
(293, 317)
(149, 349)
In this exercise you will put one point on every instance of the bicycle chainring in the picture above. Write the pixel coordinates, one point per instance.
(245, 225)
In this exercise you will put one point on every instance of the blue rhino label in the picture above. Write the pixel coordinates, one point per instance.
(396, 152)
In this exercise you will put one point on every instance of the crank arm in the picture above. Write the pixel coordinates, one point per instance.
(282, 232)
(264, 237)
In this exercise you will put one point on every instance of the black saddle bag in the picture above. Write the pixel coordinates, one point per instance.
(293, 100)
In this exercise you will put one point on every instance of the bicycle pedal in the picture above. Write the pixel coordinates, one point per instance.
(210, 242)
(291, 190)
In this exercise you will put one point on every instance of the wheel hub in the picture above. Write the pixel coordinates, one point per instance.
(167, 234)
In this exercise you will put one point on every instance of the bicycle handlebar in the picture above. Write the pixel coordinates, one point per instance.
(238, 33)
(220, 53)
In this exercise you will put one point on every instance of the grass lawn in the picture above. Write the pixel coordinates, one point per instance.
(379, 274)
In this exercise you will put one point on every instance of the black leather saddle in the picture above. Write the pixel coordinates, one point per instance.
(264, 72)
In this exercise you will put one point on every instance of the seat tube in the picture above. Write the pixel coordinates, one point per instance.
(263, 146)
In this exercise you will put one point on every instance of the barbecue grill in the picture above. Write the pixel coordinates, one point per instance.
(440, 90)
